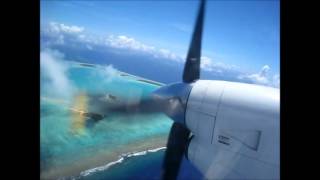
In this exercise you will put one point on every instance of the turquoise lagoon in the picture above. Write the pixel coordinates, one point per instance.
(114, 140)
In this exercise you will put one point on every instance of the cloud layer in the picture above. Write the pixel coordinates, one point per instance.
(60, 34)
(56, 33)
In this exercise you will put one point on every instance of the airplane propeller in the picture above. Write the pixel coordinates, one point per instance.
(179, 134)
(172, 100)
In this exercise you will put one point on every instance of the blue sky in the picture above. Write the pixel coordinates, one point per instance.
(242, 34)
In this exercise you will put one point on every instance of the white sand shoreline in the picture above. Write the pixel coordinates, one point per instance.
(102, 159)
(120, 160)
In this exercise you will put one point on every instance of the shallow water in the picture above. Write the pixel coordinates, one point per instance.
(68, 151)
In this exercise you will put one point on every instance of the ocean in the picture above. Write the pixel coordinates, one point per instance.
(117, 147)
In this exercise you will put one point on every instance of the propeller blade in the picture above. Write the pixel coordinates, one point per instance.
(144, 106)
(191, 70)
(176, 148)
(179, 134)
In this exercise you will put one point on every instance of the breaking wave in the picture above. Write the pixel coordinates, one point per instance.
(122, 158)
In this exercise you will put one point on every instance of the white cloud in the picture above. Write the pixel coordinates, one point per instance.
(59, 33)
(258, 78)
(125, 42)
(265, 69)
(106, 73)
(208, 64)
(57, 27)
(169, 55)
(54, 69)
(128, 43)
(262, 77)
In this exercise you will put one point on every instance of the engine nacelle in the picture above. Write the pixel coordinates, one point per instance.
(235, 129)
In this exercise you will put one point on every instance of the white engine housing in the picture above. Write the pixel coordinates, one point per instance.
(235, 129)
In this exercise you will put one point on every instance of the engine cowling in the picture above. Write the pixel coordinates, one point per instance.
(235, 129)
